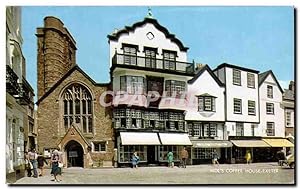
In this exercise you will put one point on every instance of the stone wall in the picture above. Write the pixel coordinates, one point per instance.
(50, 123)
(56, 53)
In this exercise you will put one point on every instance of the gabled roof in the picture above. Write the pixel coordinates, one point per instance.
(205, 68)
(262, 77)
(75, 67)
(206, 94)
(72, 131)
(235, 67)
(127, 29)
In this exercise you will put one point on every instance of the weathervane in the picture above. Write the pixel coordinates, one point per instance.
(150, 15)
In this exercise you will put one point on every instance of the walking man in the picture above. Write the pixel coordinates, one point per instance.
(215, 157)
(184, 156)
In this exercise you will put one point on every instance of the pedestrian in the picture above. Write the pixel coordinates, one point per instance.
(184, 156)
(135, 160)
(60, 161)
(289, 152)
(281, 157)
(170, 157)
(28, 164)
(215, 158)
(248, 157)
(41, 160)
(55, 168)
(33, 160)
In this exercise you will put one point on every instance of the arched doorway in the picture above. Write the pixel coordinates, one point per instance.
(74, 154)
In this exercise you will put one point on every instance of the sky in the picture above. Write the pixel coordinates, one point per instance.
(260, 38)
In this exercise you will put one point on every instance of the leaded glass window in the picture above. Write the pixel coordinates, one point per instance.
(77, 108)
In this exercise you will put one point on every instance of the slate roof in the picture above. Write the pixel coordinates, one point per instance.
(262, 77)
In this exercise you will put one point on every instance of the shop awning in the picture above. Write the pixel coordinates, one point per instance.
(279, 142)
(174, 139)
(212, 144)
(133, 138)
(250, 143)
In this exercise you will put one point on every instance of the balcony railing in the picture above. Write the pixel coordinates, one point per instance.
(12, 86)
(153, 63)
(25, 93)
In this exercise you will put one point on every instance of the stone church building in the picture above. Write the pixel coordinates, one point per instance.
(69, 115)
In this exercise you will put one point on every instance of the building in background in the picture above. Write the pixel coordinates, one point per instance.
(241, 108)
(234, 109)
(146, 58)
(205, 117)
(271, 125)
(69, 115)
(289, 110)
(19, 97)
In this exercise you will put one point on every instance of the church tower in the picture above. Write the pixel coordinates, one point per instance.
(56, 53)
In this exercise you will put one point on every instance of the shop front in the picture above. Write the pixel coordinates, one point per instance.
(174, 142)
(145, 144)
(202, 151)
(276, 145)
(152, 148)
(255, 147)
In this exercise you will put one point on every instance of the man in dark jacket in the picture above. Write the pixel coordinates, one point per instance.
(184, 155)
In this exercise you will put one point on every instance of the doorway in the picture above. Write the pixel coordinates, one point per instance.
(151, 154)
(74, 154)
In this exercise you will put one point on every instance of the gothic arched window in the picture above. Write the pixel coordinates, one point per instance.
(77, 108)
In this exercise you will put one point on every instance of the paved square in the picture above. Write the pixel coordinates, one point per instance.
(259, 173)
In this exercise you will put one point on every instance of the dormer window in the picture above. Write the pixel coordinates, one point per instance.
(206, 103)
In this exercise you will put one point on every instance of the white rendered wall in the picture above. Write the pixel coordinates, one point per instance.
(205, 84)
(138, 37)
(231, 129)
(220, 132)
(278, 117)
(244, 93)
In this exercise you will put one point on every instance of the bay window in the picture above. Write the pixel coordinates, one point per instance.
(133, 84)
(175, 88)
